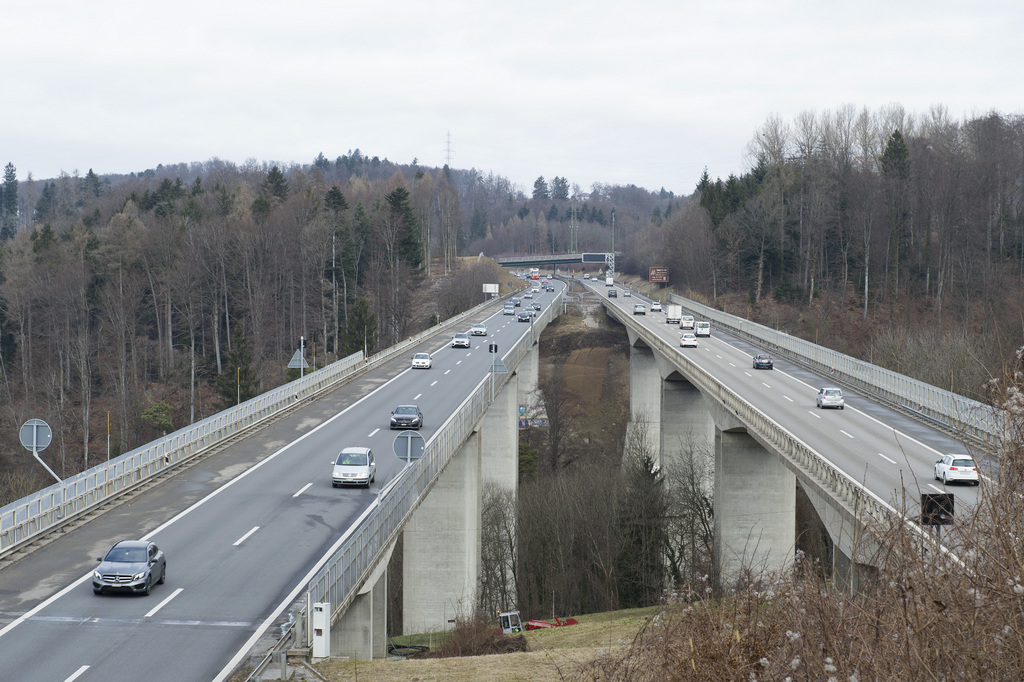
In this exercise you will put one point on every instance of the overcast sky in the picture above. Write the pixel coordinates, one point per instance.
(647, 92)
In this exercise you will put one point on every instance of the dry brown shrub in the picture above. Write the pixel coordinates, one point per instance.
(473, 637)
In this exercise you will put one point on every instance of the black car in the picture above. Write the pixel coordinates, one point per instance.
(406, 417)
(525, 316)
(763, 361)
(516, 302)
(130, 566)
(536, 306)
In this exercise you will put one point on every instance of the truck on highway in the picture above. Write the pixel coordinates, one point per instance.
(608, 281)
(673, 313)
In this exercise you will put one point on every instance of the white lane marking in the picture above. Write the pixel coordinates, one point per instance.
(765, 385)
(417, 397)
(373, 433)
(935, 487)
(446, 371)
(814, 414)
(845, 433)
(431, 385)
(788, 398)
(302, 489)
(245, 537)
(891, 461)
(77, 673)
(459, 362)
(162, 604)
(468, 354)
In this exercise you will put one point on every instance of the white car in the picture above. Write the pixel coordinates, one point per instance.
(956, 468)
(421, 361)
(354, 466)
(688, 340)
(460, 340)
(639, 309)
(627, 293)
(479, 329)
(831, 397)
(655, 307)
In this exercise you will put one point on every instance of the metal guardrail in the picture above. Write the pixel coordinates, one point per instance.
(33, 515)
(345, 572)
(956, 412)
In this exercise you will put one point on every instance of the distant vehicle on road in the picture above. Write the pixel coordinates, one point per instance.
(479, 329)
(655, 307)
(763, 361)
(354, 466)
(460, 340)
(687, 339)
(957, 468)
(639, 309)
(831, 397)
(406, 417)
(132, 566)
(421, 361)
(702, 329)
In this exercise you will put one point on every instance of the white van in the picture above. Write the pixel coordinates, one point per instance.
(686, 322)
(702, 329)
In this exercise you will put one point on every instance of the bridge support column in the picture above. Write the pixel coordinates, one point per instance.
(499, 437)
(528, 373)
(361, 632)
(755, 510)
(644, 400)
(441, 559)
(686, 424)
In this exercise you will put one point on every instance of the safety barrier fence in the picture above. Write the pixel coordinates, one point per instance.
(962, 415)
(40, 512)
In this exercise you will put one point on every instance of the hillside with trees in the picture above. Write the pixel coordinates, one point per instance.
(156, 298)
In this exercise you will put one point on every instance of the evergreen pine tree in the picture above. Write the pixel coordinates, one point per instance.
(237, 383)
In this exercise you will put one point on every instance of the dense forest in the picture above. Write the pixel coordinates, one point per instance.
(149, 300)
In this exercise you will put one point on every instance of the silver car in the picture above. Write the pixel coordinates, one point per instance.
(354, 466)
(460, 340)
(130, 566)
(831, 397)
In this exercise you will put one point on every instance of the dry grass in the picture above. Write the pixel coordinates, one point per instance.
(555, 654)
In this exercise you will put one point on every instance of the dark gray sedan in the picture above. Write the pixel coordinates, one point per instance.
(130, 566)
(406, 417)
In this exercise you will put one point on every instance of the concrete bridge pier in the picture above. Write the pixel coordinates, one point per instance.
(361, 632)
(645, 388)
(441, 557)
(755, 510)
(686, 423)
